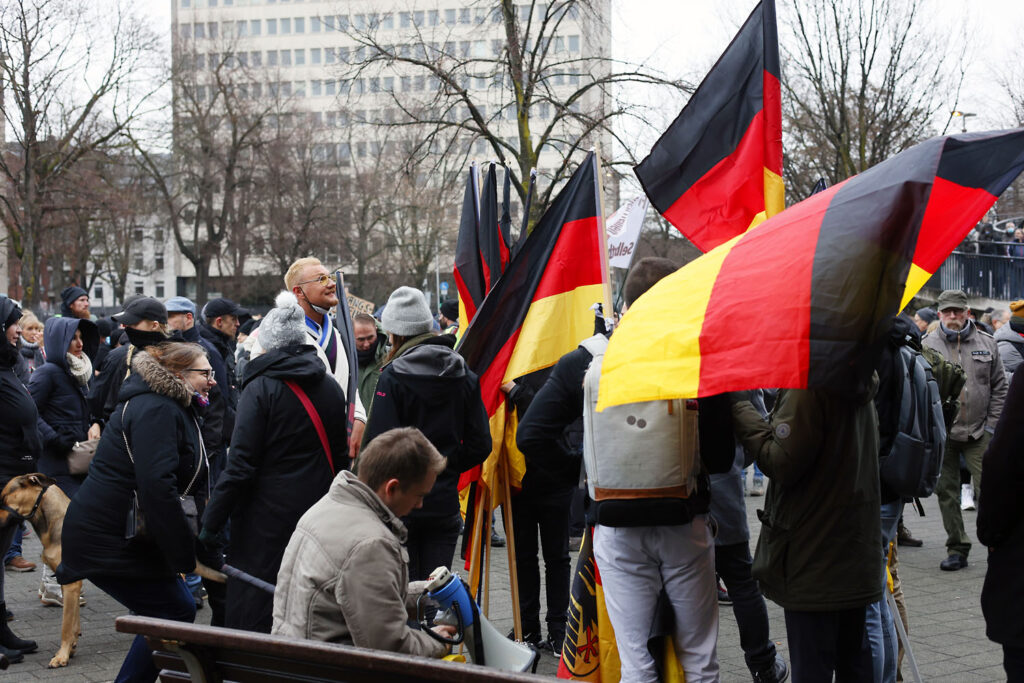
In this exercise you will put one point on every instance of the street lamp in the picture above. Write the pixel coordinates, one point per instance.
(963, 116)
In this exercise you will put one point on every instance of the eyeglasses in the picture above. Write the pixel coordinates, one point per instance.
(323, 281)
(208, 373)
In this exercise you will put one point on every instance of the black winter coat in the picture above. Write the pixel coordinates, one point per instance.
(428, 386)
(19, 436)
(64, 415)
(225, 346)
(161, 428)
(105, 390)
(276, 469)
(1001, 522)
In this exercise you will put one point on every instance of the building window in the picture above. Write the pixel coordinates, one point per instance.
(286, 26)
(271, 27)
(186, 3)
(185, 30)
(388, 22)
(329, 55)
(97, 293)
(137, 234)
(300, 57)
(160, 289)
(256, 58)
(271, 57)
(316, 89)
(433, 17)
(158, 235)
(241, 29)
(211, 29)
(300, 24)
(255, 27)
(359, 22)
(158, 260)
(315, 24)
(137, 265)
(139, 287)
(574, 43)
(329, 87)
(404, 20)
(286, 57)
(200, 31)
(342, 22)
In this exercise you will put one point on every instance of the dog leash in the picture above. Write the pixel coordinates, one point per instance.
(248, 578)
(32, 513)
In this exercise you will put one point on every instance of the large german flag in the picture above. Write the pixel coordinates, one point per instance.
(717, 170)
(540, 308)
(802, 300)
(493, 250)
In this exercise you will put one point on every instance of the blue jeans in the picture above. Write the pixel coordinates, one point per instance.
(879, 627)
(160, 598)
(15, 543)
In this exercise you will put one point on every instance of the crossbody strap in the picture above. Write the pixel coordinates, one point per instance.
(315, 417)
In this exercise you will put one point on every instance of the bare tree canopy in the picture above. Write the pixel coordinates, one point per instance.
(74, 74)
(534, 97)
(862, 81)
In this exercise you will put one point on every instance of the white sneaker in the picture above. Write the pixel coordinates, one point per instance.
(967, 497)
(52, 595)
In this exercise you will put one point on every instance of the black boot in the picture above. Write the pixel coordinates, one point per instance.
(13, 656)
(13, 642)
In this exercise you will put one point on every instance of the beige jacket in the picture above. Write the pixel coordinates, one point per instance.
(981, 401)
(345, 577)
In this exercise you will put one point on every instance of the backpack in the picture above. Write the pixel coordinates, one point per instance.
(911, 468)
(951, 379)
(637, 450)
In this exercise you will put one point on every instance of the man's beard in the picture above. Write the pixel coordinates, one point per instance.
(954, 325)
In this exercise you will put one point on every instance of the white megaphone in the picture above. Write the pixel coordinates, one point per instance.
(485, 644)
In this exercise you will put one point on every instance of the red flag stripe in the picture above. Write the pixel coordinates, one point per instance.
(948, 204)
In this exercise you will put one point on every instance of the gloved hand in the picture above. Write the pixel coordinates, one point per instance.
(211, 538)
(63, 442)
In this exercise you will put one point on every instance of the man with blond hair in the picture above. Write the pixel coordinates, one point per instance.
(317, 294)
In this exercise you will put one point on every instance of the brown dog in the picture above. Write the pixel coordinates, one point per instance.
(37, 499)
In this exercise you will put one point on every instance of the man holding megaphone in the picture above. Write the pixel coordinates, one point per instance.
(345, 577)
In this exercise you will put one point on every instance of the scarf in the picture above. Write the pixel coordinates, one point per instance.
(954, 335)
(80, 368)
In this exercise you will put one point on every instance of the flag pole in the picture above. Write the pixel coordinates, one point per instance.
(485, 570)
(474, 545)
(606, 280)
(510, 544)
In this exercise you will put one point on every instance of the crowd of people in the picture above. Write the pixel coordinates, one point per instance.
(217, 437)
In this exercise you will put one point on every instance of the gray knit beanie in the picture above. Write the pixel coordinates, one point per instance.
(406, 313)
(284, 325)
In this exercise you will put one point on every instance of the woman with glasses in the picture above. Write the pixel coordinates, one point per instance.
(278, 466)
(127, 530)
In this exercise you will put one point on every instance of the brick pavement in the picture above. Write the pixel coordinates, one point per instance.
(947, 629)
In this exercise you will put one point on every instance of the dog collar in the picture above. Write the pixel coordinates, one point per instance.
(32, 513)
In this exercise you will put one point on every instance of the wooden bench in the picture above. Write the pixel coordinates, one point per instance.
(207, 654)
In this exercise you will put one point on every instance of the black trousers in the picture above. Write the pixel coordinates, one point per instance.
(732, 564)
(431, 543)
(823, 643)
(1013, 663)
(547, 514)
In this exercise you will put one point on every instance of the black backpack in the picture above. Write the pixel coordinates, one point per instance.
(911, 468)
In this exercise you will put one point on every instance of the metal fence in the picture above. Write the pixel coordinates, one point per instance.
(982, 275)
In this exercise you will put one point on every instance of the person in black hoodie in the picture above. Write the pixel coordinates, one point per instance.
(425, 384)
(277, 467)
(19, 448)
(151, 451)
(145, 321)
(1001, 528)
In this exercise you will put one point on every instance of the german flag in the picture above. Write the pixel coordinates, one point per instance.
(468, 272)
(540, 309)
(717, 170)
(802, 300)
(493, 250)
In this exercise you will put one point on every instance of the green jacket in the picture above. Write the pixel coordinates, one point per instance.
(820, 546)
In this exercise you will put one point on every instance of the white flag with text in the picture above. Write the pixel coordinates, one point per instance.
(624, 230)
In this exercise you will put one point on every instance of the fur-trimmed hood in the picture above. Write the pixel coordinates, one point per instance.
(155, 378)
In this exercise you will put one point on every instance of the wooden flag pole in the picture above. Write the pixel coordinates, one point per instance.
(486, 569)
(510, 544)
(474, 546)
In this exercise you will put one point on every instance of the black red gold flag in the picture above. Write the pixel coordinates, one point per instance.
(468, 271)
(814, 287)
(717, 170)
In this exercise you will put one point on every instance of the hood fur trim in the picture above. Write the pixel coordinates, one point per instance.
(160, 379)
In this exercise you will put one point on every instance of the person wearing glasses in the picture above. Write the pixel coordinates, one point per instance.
(151, 452)
(289, 443)
(317, 294)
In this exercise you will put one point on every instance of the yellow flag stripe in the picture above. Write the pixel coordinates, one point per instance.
(553, 327)
(632, 370)
(916, 279)
(774, 193)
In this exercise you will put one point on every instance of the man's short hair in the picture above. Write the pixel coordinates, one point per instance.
(364, 318)
(403, 454)
(644, 275)
(291, 278)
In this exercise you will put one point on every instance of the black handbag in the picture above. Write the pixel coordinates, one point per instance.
(135, 523)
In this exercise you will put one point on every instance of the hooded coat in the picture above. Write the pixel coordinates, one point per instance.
(1011, 348)
(64, 415)
(428, 386)
(820, 527)
(276, 469)
(157, 420)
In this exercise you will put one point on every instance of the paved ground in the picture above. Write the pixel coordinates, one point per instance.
(947, 629)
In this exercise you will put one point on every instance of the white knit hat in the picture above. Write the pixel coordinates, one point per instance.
(406, 313)
(284, 325)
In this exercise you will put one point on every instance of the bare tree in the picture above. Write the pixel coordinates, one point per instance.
(862, 81)
(71, 74)
(534, 97)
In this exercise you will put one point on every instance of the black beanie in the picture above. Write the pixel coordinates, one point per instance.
(68, 295)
